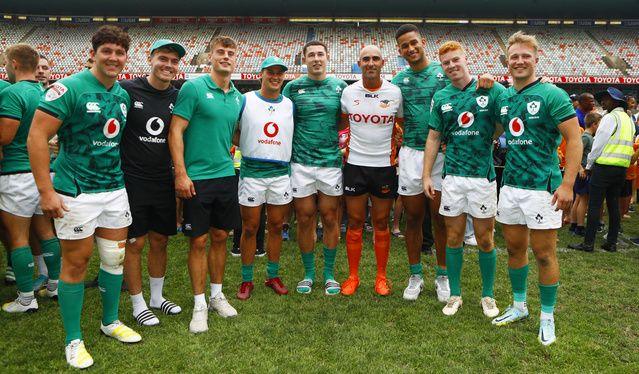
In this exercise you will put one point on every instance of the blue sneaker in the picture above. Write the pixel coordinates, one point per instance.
(546, 332)
(511, 314)
(285, 236)
(40, 282)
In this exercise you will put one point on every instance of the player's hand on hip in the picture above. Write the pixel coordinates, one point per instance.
(562, 198)
(52, 205)
(486, 81)
(184, 187)
(429, 188)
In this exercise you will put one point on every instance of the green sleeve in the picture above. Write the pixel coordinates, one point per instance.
(561, 108)
(11, 104)
(495, 93)
(287, 90)
(59, 100)
(186, 102)
(435, 118)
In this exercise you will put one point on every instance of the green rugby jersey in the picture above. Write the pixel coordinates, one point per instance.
(4, 84)
(466, 120)
(317, 112)
(530, 118)
(93, 119)
(418, 88)
(19, 102)
(212, 116)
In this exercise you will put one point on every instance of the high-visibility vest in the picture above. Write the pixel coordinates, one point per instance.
(618, 151)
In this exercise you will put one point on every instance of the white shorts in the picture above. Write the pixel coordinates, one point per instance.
(87, 211)
(411, 169)
(474, 196)
(518, 206)
(19, 195)
(257, 191)
(307, 180)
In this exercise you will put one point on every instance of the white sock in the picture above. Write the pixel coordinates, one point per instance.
(521, 305)
(52, 285)
(547, 316)
(138, 303)
(216, 289)
(42, 266)
(156, 291)
(199, 300)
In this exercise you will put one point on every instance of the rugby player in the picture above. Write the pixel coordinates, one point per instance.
(535, 116)
(19, 198)
(146, 164)
(202, 127)
(43, 72)
(370, 108)
(316, 163)
(464, 119)
(87, 198)
(265, 137)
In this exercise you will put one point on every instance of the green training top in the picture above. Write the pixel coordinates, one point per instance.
(212, 116)
(19, 102)
(317, 116)
(4, 84)
(93, 119)
(530, 118)
(466, 120)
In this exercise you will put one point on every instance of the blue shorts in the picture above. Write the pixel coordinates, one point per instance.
(582, 186)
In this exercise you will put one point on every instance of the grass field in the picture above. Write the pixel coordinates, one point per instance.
(597, 323)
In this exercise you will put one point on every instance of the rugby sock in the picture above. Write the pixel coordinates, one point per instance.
(109, 286)
(417, 269)
(440, 272)
(156, 285)
(548, 296)
(216, 289)
(51, 254)
(247, 273)
(70, 299)
(329, 263)
(272, 268)
(454, 262)
(518, 280)
(138, 304)
(42, 267)
(382, 250)
(199, 300)
(22, 260)
(308, 259)
(573, 226)
(353, 250)
(487, 267)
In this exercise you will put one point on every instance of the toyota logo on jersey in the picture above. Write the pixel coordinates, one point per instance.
(271, 129)
(154, 126)
(111, 128)
(516, 126)
(465, 119)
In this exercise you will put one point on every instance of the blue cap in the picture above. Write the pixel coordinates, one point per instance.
(273, 61)
(614, 93)
(169, 44)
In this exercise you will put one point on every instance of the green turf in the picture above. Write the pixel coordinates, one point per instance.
(597, 323)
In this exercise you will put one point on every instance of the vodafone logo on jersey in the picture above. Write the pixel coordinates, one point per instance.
(154, 126)
(271, 129)
(516, 126)
(466, 119)
(111, 128)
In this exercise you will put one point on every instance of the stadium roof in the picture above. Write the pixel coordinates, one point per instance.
(569, 9)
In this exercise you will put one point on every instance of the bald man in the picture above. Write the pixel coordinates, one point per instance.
(370, 109)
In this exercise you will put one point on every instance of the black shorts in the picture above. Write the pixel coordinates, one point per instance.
(582, 186)
(152, 206)
(378, 181)
(626, 191)
(215, 204)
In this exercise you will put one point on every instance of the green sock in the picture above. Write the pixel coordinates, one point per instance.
(518, 280)
(272, 268)
(548, 296)
(70, 299)
(309, 265)
(329, 263)
(247, 273)
(454, 262)
(51, 255)
(22, 261)
(439, 271)
(110, 286)
(487, 267)
(416, 269)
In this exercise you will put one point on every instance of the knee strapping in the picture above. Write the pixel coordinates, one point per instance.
(111, 255)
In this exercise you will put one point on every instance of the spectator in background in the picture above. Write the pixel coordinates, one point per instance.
(586, 105)
(574, 98)
(633, 111)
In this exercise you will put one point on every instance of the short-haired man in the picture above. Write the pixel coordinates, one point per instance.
(316, 174)
(370, 108)
(586, 105)
(464, 119)
(202, 127)
(535, 116)
(87, 199)
(19, 198)
(146, 163)
(43, 72)
(265, 138)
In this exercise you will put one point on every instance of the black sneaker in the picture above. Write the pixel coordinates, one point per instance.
(609, 247)
(260, 252)
(92, 283)
(601, 227)
(580, 231)
(635, 241)
(427, 250)
(235, 252)
(582, 247)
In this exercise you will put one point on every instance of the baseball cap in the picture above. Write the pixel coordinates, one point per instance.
(614, 93)
(273, 61)
(169, 43)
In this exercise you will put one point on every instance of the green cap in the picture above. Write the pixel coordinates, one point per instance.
(169, 43)
(273, 61)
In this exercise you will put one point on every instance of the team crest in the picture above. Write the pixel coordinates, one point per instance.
(533, 107)
(406, 80)
(123, 108)
(55, 91)
(338, 89)
(482, 101)
(465, 119)
(385, 103)
(440, 76)
(270, 109)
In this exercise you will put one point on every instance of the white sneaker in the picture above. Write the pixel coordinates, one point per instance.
(199, 321)
(77, 355)
(221, 306)
(121, 332)
(415, 287)
(16, 306)
(470, 240)
(489, 307)
(443, 288)
(453, 305)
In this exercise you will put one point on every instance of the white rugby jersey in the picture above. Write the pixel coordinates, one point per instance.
(372, 116)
